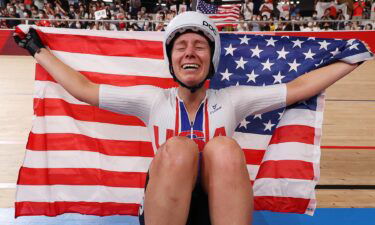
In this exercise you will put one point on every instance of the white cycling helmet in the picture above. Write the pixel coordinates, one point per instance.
(195, 22)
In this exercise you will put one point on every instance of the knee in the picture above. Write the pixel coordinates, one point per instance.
(225, 154)
(176, 154)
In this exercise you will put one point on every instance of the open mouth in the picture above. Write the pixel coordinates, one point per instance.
(190, 66)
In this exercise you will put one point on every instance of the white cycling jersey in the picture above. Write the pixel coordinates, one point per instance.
(165, 115)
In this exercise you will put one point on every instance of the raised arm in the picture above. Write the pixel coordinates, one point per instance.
(316, 81)
(72, 81)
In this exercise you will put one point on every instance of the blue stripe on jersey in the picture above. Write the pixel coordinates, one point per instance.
(185, 123)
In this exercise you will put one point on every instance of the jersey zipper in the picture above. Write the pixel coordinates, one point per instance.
(192, 121)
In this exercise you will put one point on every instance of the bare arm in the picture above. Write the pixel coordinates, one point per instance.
(316, 81)
(72, 81)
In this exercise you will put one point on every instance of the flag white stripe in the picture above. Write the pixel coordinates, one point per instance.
(75, 193)
(114, 64)
(253, 171)
(139, 35)
(85, 159)
(299, 117)
(66, 124)
(252, 141)
(292, 151)
(49, 89)
(295, 188)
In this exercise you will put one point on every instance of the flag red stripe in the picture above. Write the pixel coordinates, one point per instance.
(281, 204)
(294, 169)
(293, 133)
(118, 80)
(59, 107)
(86, 208)
(103, 45)
(80, 176)
(253, 156)
(56, 142)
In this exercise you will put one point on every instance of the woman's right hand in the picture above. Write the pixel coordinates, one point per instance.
(31, 41)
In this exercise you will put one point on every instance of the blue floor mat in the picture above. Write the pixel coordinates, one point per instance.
(323, 216)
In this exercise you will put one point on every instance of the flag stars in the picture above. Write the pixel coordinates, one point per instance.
(256, 51)
(252, 76)
(258, 116)
(282, 53)
(244, 123)
(320, 63)
(324, 45)
(280, 115)
(278, 78)
(267, 65)
(334, 53)
(271, 42)
(350, 42)
(309, 54)
(268, 126)
(229, 50)
(245, 40)
(226, 75)
(297, 43)
(241, 63)
(294, 65)
(354, 46)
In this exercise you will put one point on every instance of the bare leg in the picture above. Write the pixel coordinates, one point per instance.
(227, 182)
(173, 175)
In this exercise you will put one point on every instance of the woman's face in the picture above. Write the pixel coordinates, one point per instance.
(191, 58)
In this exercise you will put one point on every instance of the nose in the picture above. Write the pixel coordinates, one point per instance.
(190, 51)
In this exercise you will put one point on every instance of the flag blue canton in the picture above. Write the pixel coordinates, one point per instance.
(206, 8)
(259, 60)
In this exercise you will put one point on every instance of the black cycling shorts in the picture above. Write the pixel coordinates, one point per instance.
(199, 213)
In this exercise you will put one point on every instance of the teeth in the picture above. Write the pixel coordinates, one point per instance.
(190, 66)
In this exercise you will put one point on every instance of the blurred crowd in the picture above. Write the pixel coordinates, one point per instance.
(270, 15)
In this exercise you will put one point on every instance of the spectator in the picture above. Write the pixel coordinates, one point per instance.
(2, 4)
(160, 17)
(160, 6)
(247, 10)
(333, 9)
(372, 15)
(368, 26)
(39, 4)
(255, 26)
(13, 14)
(358, 8)
(134, 7)
(266, 9)
(43, 23)
(283, 7)
(59, 24)
(340, 25)
(326, 16)
(242, 25)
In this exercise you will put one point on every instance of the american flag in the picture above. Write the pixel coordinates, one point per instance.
(222, 15)
(86, 160)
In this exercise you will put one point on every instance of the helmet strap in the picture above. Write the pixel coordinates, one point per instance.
(195, 87)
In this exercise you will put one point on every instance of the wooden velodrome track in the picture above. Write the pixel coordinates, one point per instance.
(349, 122)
